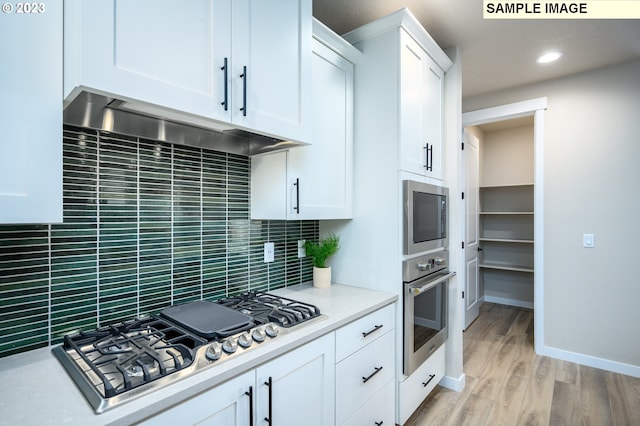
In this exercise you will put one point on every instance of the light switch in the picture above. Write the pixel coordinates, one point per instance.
(588, 240)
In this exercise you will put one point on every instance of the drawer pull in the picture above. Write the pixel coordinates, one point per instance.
(378, 423)
(431, 376)
(366, 379)
(375, 328)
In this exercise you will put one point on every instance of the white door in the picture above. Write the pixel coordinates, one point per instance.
(228, 404)
(31, 116)
(472, 294)
(421, 87)
(302, 386)
(272, 53)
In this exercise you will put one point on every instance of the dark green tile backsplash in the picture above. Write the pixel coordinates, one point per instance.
(146, 225)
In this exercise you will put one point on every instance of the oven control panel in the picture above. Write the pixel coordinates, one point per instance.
(420, 266)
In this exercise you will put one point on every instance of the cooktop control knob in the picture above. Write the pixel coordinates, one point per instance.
(271, 330)
(259, 335)
(214, 351)
(245, 340)
(230, 346)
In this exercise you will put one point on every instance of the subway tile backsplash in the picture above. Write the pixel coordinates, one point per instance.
(146, 225)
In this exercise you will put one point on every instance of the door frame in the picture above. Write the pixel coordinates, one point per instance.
(532, 107)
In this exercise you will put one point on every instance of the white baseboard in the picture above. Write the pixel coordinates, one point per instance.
(507, 301)
(452, 383)
(591, 361)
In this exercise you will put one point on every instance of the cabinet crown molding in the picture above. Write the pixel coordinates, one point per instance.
(405, 19)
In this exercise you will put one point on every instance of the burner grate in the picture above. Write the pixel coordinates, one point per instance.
(121, 357)
(265, 308)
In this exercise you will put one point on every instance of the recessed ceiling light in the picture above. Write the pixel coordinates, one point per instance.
(548, 57)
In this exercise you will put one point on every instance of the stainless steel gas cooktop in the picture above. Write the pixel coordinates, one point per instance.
(116, 363)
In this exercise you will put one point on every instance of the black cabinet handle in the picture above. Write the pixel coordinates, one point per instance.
(297, 185)
(428, 157)
(431, 158)
(249, 393)
(225, 68)
(378, 423)
(244, 91)
(270, 386)
(377, 370)
(375, 328)
(431, 376)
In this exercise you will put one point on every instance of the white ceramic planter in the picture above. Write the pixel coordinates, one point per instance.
(322, 277)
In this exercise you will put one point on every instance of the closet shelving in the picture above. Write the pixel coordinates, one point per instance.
(507, 238)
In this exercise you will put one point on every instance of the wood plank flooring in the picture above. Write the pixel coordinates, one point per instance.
(508, 384)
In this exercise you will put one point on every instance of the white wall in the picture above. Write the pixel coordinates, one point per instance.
(591, 185)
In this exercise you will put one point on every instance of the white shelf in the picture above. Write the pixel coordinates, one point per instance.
(506, 267)
(509, 185)
(506, 213)
(506, 240)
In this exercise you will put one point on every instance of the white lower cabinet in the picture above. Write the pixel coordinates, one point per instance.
(365, 371)
(378, 411)
(417, 387)
(297, 388)
(293, 389)
(226, 405)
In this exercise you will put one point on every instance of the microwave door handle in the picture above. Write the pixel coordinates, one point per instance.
(429, 285)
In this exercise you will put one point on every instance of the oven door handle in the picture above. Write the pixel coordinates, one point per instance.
(430, 284)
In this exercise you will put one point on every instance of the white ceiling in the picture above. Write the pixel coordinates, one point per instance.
(499, 54)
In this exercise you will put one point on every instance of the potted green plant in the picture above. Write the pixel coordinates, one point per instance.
(319, 253)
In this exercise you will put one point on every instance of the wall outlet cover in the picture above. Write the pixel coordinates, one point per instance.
(269, 254)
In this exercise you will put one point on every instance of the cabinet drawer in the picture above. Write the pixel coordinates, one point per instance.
(354, 336)
(379, 410)
(416, 387)
(375, 363)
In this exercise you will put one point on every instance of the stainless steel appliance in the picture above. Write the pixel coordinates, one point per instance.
(425, 224)
(425, 286)
(116, 363)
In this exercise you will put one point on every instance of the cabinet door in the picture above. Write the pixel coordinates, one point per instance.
(31, 116)
(301, 386)
(314, 181)
(155, 51)
(225, 405)
(272, 39)
(421, 87)
(325, 169)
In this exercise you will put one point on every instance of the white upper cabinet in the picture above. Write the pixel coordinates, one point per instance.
(421, 97)
(31, 115)
(243, 63)
(316, 181)
(399, 118)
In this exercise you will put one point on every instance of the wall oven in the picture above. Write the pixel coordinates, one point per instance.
(425, 210)
(425, 282)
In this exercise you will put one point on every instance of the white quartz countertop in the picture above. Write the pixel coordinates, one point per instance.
(35, 388)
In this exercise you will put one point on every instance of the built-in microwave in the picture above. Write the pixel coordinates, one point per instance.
(425, 217)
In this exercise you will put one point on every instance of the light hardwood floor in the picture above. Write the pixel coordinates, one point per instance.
(508, 384)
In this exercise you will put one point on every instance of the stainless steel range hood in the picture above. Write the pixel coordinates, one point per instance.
(113, 115)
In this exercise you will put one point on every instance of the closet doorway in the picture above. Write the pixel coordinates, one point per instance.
(503, 208)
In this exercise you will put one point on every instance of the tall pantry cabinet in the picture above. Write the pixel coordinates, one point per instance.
(399, 134)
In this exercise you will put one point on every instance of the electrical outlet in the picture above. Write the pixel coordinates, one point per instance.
(301, 250)
(269, 250)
